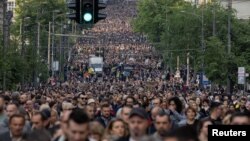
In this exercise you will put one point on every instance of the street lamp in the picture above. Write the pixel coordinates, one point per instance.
(53, 40)
(22, 33)
(201, 18)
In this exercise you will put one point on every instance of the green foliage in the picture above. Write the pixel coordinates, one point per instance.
(24, 67)
(176, 27)
(215, 66)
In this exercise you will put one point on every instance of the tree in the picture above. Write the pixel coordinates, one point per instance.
(27, 66)
(177, 26)
(215, 66)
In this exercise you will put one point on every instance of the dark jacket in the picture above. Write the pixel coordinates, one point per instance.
(123, 139)
(6, 137)
(101, 120)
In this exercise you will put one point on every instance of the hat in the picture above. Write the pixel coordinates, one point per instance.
(91, 101)
(139, 112)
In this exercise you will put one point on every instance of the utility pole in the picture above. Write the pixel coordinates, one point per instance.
(202, 46)
(188, 68)
(7, 16)
(60, 51)
(38, 55)
(53, 44)
(5, 41)
(229, 43)
(49, 65)
(214, 19)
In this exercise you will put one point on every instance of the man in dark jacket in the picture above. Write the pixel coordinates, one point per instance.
(138, 124)
(105, 117)
(16, 125)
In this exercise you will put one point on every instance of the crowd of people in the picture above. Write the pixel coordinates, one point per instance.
(135, 99)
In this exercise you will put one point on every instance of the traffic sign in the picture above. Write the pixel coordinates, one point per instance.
(241, 69)
(241, 80)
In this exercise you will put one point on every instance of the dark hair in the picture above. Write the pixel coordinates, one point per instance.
(239, 114)
(130, 98)
(14, 103)
(78, 116)
(111, 124)
(42, 114)
(184, 133)
(162, 113)
(206, 101)
(214, 105)
(201, 124)
(105, 106)
(177, 102)
(17, 116)
(192, 109)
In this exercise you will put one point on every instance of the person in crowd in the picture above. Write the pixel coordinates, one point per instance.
(157, 102)
(184, 133)
(215, 113)
(162, 124)
(175, 110)
(11, 109)
(117, 128)
(96, 131)
(240, 119)
(2, 105)
(125, 112)
(38, 120)
(204, 112)
(203, 129)
(90, 110)
(61, 134)
(29, 108)
(105, 117)
(138, 124)
(155, 111)
(190, 118)
(16, 125)
(78, 125)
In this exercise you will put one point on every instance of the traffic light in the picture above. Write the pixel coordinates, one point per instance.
(76, 6)
(87, 12)
(98, 6)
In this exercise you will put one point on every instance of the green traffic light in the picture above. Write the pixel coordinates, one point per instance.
(87, 17)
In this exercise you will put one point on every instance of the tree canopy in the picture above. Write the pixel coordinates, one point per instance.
(175, 27)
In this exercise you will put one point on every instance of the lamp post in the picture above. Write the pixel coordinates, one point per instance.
(201, 18)
(23, 44)
(53, 41)
(229, 43)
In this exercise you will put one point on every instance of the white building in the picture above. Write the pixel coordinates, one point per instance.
(241, 6)
(11, 5)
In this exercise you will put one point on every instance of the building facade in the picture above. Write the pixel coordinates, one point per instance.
(11, 5)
